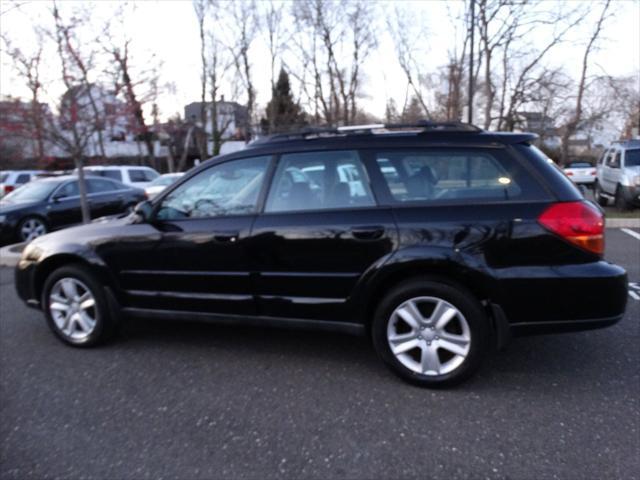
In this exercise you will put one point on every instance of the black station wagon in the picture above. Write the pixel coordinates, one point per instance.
(439, 241)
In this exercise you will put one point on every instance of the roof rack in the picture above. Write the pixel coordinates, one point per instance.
(423, 126)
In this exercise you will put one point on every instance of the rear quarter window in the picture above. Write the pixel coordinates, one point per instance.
(458, 175)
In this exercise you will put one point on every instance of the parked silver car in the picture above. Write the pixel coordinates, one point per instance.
(618, 176)
(581, 173)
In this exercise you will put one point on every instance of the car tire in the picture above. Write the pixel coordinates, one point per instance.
(597, 193)
(427, 352)
(620, 202)
(76, 307)
(31, 228)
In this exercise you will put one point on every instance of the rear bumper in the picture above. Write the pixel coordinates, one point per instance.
(561, 298)
(536, 328)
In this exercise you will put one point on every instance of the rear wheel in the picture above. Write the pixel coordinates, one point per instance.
(602, 200)
(621, 203)
(76, 308)
(431, 333)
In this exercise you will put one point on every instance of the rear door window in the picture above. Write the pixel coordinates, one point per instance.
(454, 175)
(319, 181)
(141, 175)
(96, 185)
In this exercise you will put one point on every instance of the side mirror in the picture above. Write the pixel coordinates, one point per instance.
(59, 196)
(143, 211)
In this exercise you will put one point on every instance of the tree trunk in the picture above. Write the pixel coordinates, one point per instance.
(82, 187)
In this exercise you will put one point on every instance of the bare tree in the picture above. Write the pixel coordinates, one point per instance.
(71, 106)
(571, 126)
(276, 32)
(339, 38)
(407, 41)
(201, 8)
(243, 27)
(82, 64)
(28, 68)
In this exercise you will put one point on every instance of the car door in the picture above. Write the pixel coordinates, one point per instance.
(196, 257)
(612, 171)
(64, 206)
(317, 236)
(105, 197)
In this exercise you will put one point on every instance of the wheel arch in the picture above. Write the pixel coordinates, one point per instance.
(455, 275)
(53, 262)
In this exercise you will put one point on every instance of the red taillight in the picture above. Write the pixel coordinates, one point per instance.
(569, 174)
(593, 172)
(8, 188)
(577, 222)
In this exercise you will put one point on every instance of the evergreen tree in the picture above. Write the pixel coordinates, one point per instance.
(282, 113)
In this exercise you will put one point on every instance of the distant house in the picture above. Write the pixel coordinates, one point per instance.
(113, 118)
(233, 118)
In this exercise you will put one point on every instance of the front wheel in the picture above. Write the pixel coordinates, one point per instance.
(31, 228)
(621, 202)
(431, 333)
(76, 307)
(597, 192)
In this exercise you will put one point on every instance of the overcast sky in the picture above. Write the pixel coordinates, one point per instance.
(169, 28)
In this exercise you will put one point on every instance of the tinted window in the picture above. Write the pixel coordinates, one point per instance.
(231, 188)
(70, 189)
(141, 175)
(613, 160)
(319, 180)
(447, 174)
(96, 185)
(3, 177)
(632, 158)
(579, 165)
(115, 174)
(23, 178)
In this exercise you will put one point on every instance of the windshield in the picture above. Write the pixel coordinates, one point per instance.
(164, 180)
(35, 191)
(632, 158)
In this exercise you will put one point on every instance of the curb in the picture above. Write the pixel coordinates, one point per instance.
(622, 222)
(10, 255)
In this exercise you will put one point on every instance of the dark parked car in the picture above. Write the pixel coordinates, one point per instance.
(442, 242)
(53, 203)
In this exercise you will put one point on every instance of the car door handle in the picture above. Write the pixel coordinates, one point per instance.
(226, 237)
(367, 233)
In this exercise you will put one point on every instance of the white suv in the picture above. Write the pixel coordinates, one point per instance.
(619, 175)
(128, 174)
(12, 179)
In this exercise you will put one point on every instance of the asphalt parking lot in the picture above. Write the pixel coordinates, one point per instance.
(169, 400)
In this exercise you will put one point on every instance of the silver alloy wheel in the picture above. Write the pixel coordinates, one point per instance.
(432, 340)
(73, 308)
(32, 228)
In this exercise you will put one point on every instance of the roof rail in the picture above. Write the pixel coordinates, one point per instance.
(422, 126)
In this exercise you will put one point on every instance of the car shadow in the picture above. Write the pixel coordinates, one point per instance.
(526, 362)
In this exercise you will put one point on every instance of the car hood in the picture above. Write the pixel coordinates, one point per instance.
(7, 207)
